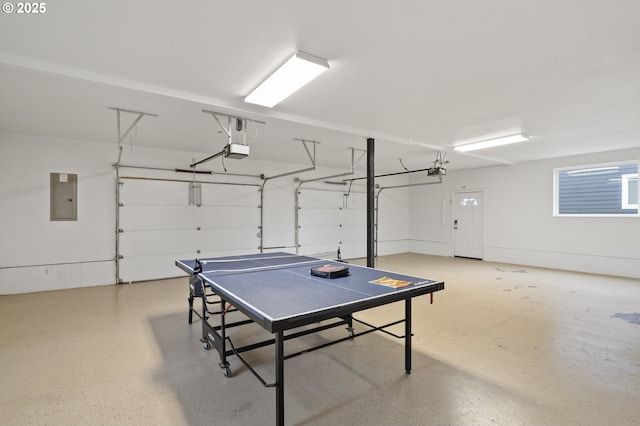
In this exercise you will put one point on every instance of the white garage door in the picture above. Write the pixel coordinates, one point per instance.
(328, 219)
(159, 226)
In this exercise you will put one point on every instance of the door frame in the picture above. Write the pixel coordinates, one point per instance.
(453, 215)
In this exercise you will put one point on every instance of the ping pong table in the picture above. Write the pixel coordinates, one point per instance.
(277, 291)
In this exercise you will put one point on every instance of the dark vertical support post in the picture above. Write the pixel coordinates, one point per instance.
(371, 232)
(280, 378)
(407, 335)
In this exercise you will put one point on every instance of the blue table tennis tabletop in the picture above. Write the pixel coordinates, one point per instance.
(278, 292)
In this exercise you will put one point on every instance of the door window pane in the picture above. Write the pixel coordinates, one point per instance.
(468, 202)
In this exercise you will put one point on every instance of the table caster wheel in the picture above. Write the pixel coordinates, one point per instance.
(226, 371)
(206, 345)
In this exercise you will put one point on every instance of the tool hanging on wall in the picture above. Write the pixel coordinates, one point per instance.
(195, 191)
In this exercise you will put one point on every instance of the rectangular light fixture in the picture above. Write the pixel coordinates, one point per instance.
(297, 71)
(594, 171)
(490, 143)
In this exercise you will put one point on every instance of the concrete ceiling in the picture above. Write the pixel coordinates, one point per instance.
(418, 76)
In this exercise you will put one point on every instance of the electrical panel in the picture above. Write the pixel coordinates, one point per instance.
(64, 196)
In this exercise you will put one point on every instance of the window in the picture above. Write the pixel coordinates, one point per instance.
(468, 202)
(630, 191)
(597, 190)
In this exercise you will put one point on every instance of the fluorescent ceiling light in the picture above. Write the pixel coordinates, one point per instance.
(594, 171)
(490, 143)
(609, 169)
(297, 71)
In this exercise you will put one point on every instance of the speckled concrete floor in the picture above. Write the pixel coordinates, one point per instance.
(502, 345)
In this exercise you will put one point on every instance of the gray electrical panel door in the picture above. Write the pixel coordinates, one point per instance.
(64, 191)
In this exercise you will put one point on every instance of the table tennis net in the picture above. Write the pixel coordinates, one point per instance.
(253, 264)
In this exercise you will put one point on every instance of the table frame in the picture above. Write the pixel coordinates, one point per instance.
(215, 336)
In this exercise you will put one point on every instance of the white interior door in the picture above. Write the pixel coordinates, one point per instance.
(468, 224)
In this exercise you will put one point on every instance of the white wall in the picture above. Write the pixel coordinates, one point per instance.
(37, 254)
(519, 223)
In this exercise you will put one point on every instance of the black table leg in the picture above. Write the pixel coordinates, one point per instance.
(222, 343)
(203, 299)
(407, 335)
(280, 378)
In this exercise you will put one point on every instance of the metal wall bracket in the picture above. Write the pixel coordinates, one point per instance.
(312, 157)
(121, 137)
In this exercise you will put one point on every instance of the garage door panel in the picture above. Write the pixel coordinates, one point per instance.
(329, 219)
(353, 250)
(228, 239)
(319, 217)
(159, 226)
(230, 195)
(154, 192)
(227, 216)
(315, 199)
(141, 243)
(141, 217)
(354, 217)
(152, 267)
(320, 235)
